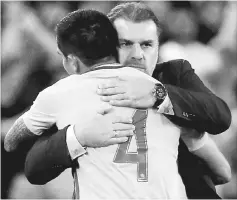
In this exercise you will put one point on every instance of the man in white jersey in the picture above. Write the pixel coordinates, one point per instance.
(143, 167)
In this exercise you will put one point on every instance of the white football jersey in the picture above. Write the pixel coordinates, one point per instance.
(144, 167)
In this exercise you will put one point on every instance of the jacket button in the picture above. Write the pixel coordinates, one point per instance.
(185, 114)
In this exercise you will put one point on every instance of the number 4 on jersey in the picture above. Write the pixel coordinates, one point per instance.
(140, 157)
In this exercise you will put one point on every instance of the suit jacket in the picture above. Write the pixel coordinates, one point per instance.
(195, 106)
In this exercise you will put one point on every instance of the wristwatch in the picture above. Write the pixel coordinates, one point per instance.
(159, 93)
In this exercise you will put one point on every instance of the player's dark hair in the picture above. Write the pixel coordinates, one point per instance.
(135, 12)
(88, 34)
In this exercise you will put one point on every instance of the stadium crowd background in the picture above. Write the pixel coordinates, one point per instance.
(203, 32)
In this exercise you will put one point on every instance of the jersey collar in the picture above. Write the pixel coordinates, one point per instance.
(106, 66)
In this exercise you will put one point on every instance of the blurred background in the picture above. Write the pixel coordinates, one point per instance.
(203, 32)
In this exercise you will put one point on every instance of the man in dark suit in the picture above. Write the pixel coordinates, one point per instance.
(193, 105)
(53, 157)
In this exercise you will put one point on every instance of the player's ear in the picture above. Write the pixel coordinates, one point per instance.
(73, 61)
(79, 65)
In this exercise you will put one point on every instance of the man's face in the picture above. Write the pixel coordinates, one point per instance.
(138, 44)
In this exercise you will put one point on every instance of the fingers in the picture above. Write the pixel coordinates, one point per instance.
(110, 83)
(111, 87)
(125, 133)
(117, 140)
(114, 97)
(122, 126)
(106, 108)
(126, 120)
(122, 103)
(111, 90)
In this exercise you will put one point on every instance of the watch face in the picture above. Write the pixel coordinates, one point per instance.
(160, 92)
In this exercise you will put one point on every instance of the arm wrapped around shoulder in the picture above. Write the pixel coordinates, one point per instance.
(194, 105)
(205, 148)
(48, 157)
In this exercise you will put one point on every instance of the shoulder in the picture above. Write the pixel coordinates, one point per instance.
(177, 64)
(135, 73)
(60, 86)
(175, 67)
(55, 91)
(66, 82)
(172, 71)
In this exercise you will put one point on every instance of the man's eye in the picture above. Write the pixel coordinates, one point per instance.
(145, 45)
(125, 44)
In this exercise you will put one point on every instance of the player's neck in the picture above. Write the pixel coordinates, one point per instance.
(104, 61)
(108, 62)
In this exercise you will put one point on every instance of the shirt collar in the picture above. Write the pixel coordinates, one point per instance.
(106, 66)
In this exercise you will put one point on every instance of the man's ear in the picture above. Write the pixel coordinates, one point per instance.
(73, 60)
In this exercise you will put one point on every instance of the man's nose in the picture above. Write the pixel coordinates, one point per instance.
(137, 52)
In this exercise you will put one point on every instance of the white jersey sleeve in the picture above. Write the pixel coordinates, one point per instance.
(41, 115)
(193, 139)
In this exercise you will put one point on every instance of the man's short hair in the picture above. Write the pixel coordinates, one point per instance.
(134, 12)
(88, 34)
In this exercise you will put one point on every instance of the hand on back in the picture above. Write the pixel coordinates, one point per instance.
(128, 91)
(103, 131)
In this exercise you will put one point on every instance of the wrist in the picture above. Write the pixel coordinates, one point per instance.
(152, 97)
(75, 148)
(79, 136)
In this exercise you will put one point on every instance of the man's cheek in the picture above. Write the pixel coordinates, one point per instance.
(152, 56)
(122, 56)
(151, 60)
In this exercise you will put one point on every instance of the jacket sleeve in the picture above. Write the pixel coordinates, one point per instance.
(48, 157)
(195, 175)
(195, 106)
